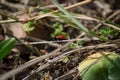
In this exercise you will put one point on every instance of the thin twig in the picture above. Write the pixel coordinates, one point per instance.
(39, 42)
(59, 41)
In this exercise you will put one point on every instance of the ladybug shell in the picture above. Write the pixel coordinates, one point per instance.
(60, 37)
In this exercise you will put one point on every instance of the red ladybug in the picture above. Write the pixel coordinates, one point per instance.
(60, 37)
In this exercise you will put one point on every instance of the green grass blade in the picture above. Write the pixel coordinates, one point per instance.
(70, 16)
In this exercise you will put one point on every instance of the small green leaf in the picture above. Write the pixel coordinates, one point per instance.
(59, 30)
(80, 43)
(103, 37)
(29, 26)
(31, 9)
(107, 33)
(64, 59)
(56, 24)
(60, 27)
(6, 46)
